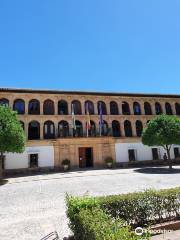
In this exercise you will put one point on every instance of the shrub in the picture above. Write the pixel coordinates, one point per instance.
(66, 162)
(108, 160)
(143, 208)
(89, 222)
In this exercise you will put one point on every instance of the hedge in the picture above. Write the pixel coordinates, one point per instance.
(103, 218)
(143, 208)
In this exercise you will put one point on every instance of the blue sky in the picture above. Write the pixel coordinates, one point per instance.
(103, 45)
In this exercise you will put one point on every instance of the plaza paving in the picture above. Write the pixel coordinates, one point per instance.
(34, 206)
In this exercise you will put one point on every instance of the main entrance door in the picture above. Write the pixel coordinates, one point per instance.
(85, 157)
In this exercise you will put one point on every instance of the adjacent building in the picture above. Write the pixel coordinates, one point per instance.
(85, 127)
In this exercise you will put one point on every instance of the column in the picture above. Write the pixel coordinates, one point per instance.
(82, 107)
(142, 108)
(163, 107)
(119, 107)
(26, 107)
(41, 130)
(153, 108)
(173, 108)
(41, 107)
(122, 128)
(133, 125)
(108, 107)
(26, 126)
(131, 108)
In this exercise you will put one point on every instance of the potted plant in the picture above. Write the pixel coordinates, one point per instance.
(109, 162)
(66, 164)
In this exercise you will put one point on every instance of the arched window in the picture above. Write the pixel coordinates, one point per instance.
(116, 129)
(78, 132)
(91, 129)
(125, 108)
(34, 130)
(102, 108)
(4, 101)
(90, 107)
(114, 108)
(49, 130)
(158, 108)
(48, 107)
(147, 108)
(76, 106)
(62, 107)
(177, 106)
(34, 107)
(139, 128)
(63, 128)
(137, 108)
(22, 124)
(127, 128)
(168, 109)
(19, 106)
(103, 129)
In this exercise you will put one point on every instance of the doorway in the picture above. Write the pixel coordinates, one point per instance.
(33, 160)
(85, 157)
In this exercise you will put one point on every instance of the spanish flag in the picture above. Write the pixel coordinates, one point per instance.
(88, 120)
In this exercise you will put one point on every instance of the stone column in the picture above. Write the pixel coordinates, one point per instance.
(119, 107)
(163, 107)
(131, 108)
(142, 108)
(41, 107)
(26, 107)
(26, 126)
(108, 107)
(133, 125)
(173, 108)
(41, 130)
(122, 127)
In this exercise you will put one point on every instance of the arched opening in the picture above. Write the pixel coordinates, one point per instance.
(137, 108)
(114, 108)
(22, 124)
(62, 107)
(139, 128)
(4, 101)
(103, 129)
(125, 108)
(19, 106)
(147, 108)
(102, 108)
(48, 107)
(127, 128)
(89, 107)
(76, 106)
(49, 130)
(63, 129)
(177, 106)
(158, 108)
(168, 109)
(91, 129)
(34, 130)
(78, 132)
(116, 129)
(34, 107)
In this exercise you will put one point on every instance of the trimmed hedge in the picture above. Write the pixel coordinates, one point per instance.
(95, 218)
(143, 208)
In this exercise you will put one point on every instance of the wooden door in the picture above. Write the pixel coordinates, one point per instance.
(82, 157)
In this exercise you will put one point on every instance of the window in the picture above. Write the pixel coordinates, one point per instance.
(62, 107)
(19, 106)
(33, 160)
(63, 127)
(34, 107)
(128, 128)
(4, 101)
(158, 108)
(177, 106)
(147, 109)
(34, 130)
(76, 106)
(116, 129)
(103, 129)
(78, 132)
(132, 155)
(49, 130)
(114, 108)
(90, 107)
(125, 108)
(155, 154)
(102, 108)
(48, 107)
(137, 108)
(176, 152)
(139, 128)
(168, 109)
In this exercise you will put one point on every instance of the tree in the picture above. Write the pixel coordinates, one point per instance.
(12, 137)
(162, 131)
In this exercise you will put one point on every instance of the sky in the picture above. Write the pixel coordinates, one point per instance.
(92, 45)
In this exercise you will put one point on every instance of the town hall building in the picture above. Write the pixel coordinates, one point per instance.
(85, 127)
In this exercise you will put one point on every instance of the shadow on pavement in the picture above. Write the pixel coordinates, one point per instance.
(3, 182)
(155, 170)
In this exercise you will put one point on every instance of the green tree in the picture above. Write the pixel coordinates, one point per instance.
(162, 131)
(12, 137)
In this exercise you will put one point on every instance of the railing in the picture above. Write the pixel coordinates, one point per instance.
(51, 236)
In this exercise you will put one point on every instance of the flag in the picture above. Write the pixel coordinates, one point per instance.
(73, 118)
(88, 120)
(101, 122)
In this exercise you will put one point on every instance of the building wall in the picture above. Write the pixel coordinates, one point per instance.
(18, 161)
(142, 152)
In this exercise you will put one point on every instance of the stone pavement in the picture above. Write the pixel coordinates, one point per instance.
(175, 235)
(32, 207)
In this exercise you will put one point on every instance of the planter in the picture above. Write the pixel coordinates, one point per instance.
(109, 164)
(66, 167)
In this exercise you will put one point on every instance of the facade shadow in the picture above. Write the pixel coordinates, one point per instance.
(158, 170)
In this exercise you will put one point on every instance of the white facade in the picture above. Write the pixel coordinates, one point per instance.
(142, 152)
(19, 161)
